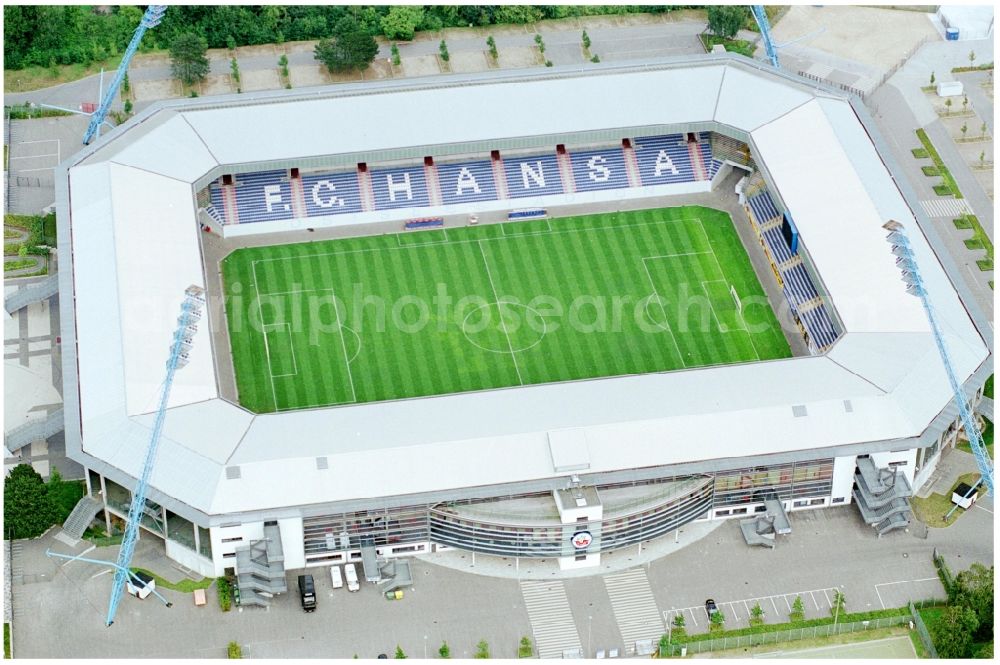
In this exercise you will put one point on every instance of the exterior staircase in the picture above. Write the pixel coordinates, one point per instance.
(260, 569)
(761, 529)
(34, 430)
(229, 204)
(31, 293)
(882, 496)
(83, 514)
(433, 183)
(565, 170)
(700, 172)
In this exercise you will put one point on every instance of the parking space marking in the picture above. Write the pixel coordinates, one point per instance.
(731, 608)
(879, 593)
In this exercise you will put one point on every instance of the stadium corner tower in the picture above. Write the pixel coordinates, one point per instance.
(857, 413)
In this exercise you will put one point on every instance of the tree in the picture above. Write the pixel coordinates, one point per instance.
(524, 649)
(492, 45)
(596, 58)
(965, 103)
(401, 21)
(234, 68)
(964, 128)
(975, 591)
(234, 650)
(932, 78)
(128, 107)
(717, 620)
(586, 40)
(838, 603)
(350, 48)
(188, 60)
(394, 50)
(678, 624)
(756, 615)
(726, 20)
(28, 509)
(399, 652)
(982, 159)
(444, 651)
(482, 649)
(972, 57)
(947, 104)
(952, 634)
(982, 130)
(540, 43)
(798, 610)
(443, 50)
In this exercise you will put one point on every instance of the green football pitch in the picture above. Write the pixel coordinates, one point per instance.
(476, 308)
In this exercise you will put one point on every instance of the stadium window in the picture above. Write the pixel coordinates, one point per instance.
(739, 511)
(581, 557)
(232, 540)
(231, 555)
(818, 502)
(839, 499)
(721, 513)
(800, 504)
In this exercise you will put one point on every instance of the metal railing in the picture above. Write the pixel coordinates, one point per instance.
(779, 636)
(925, 636)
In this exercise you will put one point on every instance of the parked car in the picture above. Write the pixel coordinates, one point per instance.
(711, 608)
(336, 578)
(307, 592)
(351, 575)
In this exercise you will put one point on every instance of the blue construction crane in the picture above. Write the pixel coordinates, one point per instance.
(194, 299)
(152, 17)
(765, 33)
(907, 263)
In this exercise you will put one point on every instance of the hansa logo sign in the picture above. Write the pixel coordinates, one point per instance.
(582, 540)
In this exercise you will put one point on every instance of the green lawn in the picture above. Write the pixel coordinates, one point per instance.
(478, 308)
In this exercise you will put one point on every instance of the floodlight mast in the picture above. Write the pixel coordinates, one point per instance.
(907, 264)
(194, 299)
(765, 33)
(152, 18)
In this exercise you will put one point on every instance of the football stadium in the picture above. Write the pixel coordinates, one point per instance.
(546, 314)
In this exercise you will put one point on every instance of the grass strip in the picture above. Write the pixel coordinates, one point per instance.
(939, 163)
(184, 586)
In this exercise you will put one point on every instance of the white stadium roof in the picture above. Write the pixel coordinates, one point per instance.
(136, 247)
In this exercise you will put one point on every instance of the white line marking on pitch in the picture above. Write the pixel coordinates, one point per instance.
(291, 347)
(267, 349)
(663, 309)
(503, 325)
(343, 346)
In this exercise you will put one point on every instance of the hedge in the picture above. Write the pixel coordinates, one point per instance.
(777, 627)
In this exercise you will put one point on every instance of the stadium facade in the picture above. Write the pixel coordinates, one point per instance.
(562, 471)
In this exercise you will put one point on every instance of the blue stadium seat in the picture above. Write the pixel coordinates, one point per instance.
(599, 169)
(776, 243)
(331, 193)
(263, 197)
(462, 182)
(402, 187)
(819, 325)
(799, 285)
(214, 213)
(535, 175)
(763, 206)
(663, 159)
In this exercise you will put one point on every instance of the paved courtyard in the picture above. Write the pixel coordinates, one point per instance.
(829, 549)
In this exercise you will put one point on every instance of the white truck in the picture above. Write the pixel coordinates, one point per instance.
(351, 575)
(336, 578)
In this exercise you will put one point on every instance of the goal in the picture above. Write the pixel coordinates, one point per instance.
(736, 298)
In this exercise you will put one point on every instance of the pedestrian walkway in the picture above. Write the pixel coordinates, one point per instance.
(946, 207)
(635, 608)
(551, 619)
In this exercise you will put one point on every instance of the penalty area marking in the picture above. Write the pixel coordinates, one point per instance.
(267, 350)
(291, 348)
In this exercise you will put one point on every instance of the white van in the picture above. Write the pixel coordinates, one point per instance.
(336, 578)
(351, 575)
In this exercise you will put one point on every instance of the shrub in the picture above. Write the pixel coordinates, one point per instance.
(717, 621)
(540, 43)
(395, 55)
(443, 50)
(234, 650)
(798, 610)
(595, 58)
(942, 189)
(524, 649)
(920, 153)
(756, 615)
(491, 44)
(444, 651)
(930, 170)
(128, 107)
(838, 603)
(585, 38)
(482, 649)
(234, 67)
(225, 593)
(548, 63)
(399, 652)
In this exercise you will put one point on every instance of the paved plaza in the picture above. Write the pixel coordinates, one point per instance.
(829, 549)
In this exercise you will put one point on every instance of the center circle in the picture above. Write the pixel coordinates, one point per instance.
(504, 327)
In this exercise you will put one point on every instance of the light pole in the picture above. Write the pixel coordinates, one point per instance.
(425, 647)
(590, 622)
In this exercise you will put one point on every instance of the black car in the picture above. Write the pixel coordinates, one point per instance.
(307, 592)
(710, 608)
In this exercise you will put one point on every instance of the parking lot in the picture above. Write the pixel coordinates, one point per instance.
(828, 549)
